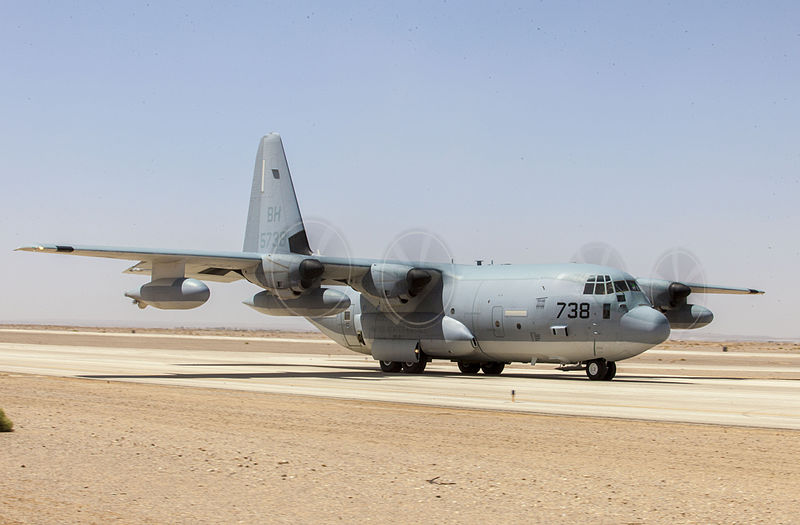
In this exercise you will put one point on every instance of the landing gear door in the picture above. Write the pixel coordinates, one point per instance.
(349, 328)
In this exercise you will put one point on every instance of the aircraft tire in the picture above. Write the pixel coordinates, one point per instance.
(391, 367)
(493, 369)
(415, 368)
(611, 371)
(596, 369)
(469, 369)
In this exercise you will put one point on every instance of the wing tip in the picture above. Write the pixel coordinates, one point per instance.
(756, 292)
(50, 248)
(34, 248)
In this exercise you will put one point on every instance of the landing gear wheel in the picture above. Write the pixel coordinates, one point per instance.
(596, 369)
(469, 369)
(415, 368)
(391, 367)
(493, 369)
(611, 371)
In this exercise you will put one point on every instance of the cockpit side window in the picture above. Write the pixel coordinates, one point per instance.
(621, 286)
(588, 289)
(634, 286)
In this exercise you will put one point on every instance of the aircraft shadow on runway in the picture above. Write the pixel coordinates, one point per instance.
(368, 372)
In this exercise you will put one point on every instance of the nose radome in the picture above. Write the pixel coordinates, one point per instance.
(643, 324)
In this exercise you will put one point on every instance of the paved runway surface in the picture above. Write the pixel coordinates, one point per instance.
(658, 396)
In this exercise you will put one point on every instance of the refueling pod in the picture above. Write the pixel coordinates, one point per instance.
(171, 294)
(319, 302)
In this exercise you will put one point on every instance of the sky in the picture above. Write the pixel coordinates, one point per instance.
(512, 132)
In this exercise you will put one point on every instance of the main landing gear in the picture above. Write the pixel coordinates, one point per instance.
(466, 368)
(391, 367)
(601, 370)
(411, 367)
(469, 369)
(490, 369)
(394, 367)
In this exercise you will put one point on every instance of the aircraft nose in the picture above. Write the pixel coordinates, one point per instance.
(644, 324)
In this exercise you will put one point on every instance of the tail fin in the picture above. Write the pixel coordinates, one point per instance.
(274, 223)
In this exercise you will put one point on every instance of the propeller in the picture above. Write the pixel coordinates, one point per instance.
(324, 239)
(599, 253)
(680, 266)
(419, 248)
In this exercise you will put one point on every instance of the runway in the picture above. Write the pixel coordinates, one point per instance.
(659, 396)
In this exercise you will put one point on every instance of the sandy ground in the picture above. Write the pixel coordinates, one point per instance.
(94, 452)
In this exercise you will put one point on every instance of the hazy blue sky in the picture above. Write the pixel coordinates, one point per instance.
(515, 132)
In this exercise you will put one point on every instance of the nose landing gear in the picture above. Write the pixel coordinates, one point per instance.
(601, 370)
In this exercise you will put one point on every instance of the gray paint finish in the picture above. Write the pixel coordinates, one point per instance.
(401, 310)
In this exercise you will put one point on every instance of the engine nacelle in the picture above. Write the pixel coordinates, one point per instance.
(665, 295)
(320, 302)
(395, 281)
(287, 275)
(171, 294)
(689, 316)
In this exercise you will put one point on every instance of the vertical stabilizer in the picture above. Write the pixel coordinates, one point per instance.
(274, 224)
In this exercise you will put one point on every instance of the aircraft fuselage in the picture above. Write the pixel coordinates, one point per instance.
(514, 313)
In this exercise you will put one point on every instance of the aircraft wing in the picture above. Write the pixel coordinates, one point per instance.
(706, 288)
(233, 266)
(204, 265)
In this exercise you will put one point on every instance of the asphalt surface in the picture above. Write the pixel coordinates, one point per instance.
(661, 393)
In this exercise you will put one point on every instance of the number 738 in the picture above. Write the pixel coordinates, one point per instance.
(575, 310)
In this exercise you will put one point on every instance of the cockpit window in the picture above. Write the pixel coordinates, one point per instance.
(603, 285)
(598, 285)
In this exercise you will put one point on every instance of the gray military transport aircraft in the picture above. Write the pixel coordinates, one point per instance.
(406, 313)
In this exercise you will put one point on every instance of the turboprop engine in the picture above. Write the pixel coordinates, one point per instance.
(287, 275)
(171, 294)
(395, 281)
(669, 297)
(320, 302)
